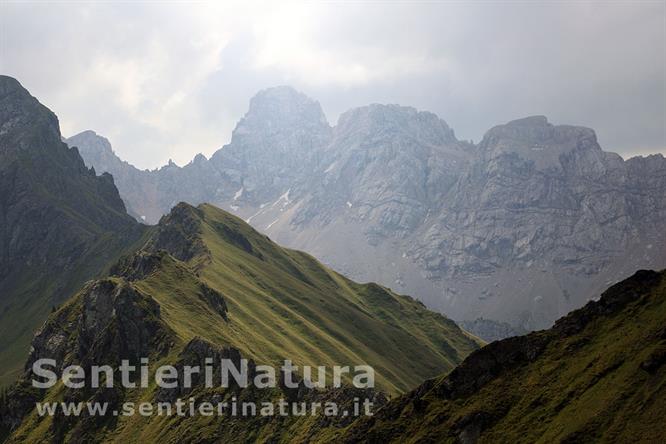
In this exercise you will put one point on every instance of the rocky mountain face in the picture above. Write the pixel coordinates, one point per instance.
(273, 147)
(596, 376)
(61, 223)
(530, 223)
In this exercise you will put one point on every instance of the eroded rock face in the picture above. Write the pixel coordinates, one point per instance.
(134, 317)
(138, 266)
(521, 228)
(274, 145)
(109, 321)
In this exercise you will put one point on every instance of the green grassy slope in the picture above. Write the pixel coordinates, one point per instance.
(598, 376)
(285, 304)
(224, 284)
(31, 293)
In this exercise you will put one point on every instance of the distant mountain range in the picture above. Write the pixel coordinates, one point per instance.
(521, 228)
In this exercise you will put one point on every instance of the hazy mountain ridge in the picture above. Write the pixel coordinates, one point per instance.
(390, 194)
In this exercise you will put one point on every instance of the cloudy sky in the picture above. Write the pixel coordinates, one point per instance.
(169, 80)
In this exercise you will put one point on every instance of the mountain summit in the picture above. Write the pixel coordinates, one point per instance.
(282, 108)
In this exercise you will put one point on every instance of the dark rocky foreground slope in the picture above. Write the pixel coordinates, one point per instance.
(60, 223)
(522, 228)
(599, 375)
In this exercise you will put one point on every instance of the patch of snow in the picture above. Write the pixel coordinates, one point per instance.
(143, 218)
(272, 223)
(235, 207)
(253, 216)
(349, 204)
(284, 198)
(330, 167)
(239, 193)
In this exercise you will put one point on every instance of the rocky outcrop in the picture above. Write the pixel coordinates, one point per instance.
(200, 353)
(107, 322)
(179, 233)
(214, 300)
(138, 266)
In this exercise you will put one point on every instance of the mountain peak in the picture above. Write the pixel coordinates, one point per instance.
(534, 138)
(9, 85)
(391, 118)
(281, 107)
(199, 158)
(280, 92)
(24, 120)
(380, 112)
(538, 127)
(89, 141)
(179, 233)
(61, 222)
(87, 133)
(530, 121)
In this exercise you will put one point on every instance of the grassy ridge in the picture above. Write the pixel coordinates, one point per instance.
(280, 304)
(283, 304)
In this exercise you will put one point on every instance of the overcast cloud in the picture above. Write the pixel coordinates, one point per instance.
(171, 80)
